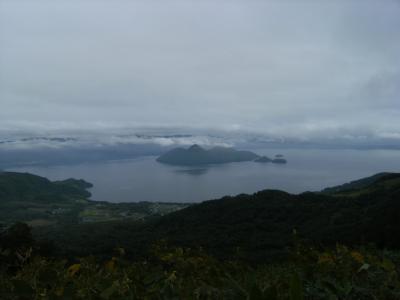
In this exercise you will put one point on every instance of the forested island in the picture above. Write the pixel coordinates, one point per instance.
(197, 155)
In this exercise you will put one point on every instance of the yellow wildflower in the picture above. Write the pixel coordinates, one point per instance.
(325, 258)
(357, 256)
(72, 270)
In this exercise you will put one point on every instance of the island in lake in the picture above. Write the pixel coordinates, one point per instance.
(196, 155)
(276, 160)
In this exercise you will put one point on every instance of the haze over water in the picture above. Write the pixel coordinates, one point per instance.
(144, 179)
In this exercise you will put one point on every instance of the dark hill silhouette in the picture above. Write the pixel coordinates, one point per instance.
(357, 185)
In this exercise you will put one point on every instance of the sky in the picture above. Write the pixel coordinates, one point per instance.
(296, 69)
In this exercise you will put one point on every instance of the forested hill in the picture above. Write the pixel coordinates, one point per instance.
(38, 201)
(254, 226)
(359, 184)
(27, 187)
(269, 245)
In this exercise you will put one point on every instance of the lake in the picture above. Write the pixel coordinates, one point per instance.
(144, 179)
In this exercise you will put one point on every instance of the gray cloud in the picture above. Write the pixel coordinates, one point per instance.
(306, 69)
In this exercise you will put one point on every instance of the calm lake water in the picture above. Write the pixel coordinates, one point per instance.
(143, 179)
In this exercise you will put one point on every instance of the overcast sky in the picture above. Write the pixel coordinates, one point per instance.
(284, 68)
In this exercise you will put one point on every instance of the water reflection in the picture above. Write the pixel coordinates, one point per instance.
(195, 172)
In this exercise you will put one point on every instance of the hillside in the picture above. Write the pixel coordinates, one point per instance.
(258, 226)
(39, 202)
(355, 185)
(28, 187)
(269, 245)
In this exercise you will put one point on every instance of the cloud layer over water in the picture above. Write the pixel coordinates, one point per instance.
(294, 69)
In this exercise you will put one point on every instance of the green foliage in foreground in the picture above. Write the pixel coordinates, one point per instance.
(176, 273)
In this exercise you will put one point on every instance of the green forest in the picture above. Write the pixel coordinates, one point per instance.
(340, 243)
